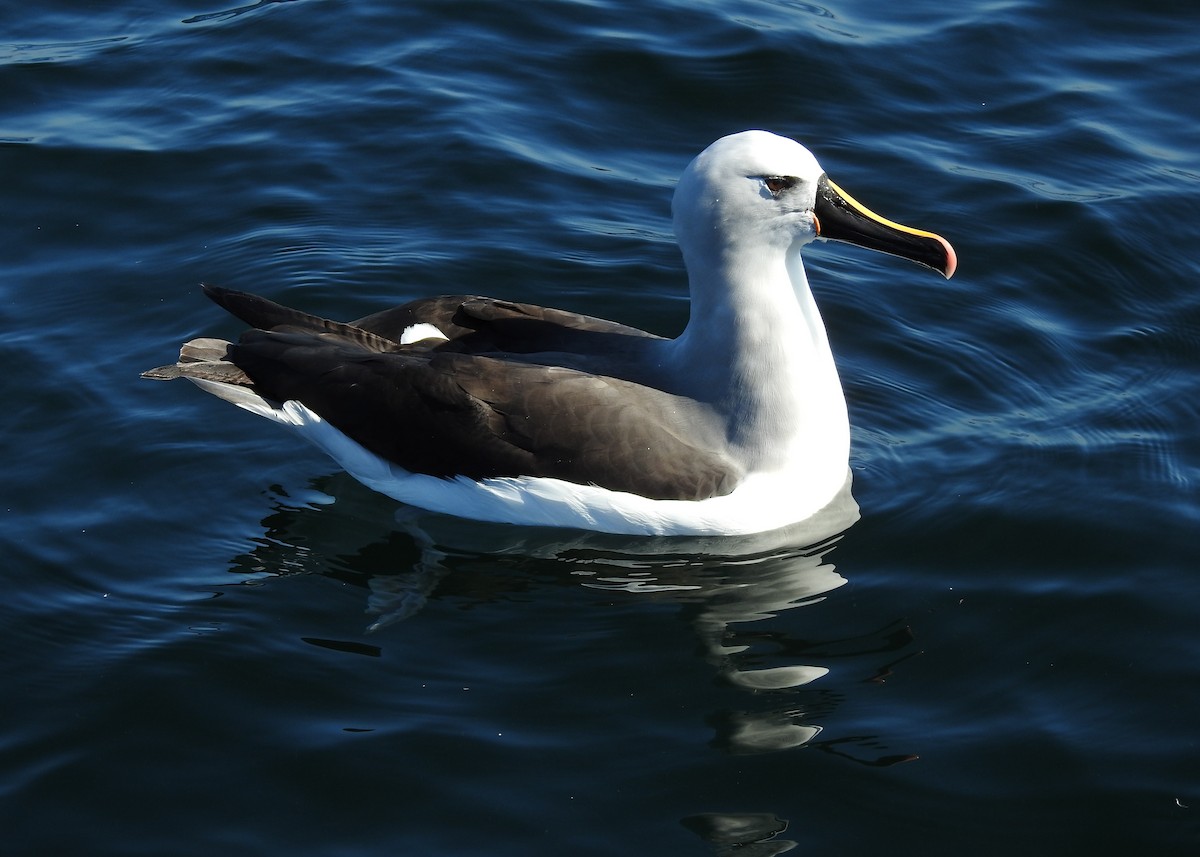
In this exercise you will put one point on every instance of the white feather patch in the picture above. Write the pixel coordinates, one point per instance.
(417, 332)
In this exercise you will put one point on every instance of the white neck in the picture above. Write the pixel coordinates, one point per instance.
(756, 348)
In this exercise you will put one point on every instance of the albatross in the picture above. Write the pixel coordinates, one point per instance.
(512, 413)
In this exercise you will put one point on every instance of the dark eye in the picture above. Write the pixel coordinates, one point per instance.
(778, 184)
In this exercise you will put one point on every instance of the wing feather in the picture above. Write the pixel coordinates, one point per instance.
(480, 404)
(450, 414)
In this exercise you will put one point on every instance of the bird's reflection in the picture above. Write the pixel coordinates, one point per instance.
(744, 834)
(727, 589)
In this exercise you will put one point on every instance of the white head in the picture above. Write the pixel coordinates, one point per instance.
(753, 186)
(756, 191)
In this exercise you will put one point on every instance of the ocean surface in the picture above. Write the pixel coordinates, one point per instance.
(213, 642)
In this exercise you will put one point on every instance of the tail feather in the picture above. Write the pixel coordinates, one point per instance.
(203, 350)
(202, 359)
(203, 362)
(206, 359)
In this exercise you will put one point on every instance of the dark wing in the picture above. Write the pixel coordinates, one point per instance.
(461, 407)
(448, 414)
(260, 313)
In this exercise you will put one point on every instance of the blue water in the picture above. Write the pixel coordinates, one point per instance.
(214, 642)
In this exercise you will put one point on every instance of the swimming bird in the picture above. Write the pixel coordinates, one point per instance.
(507, 412)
